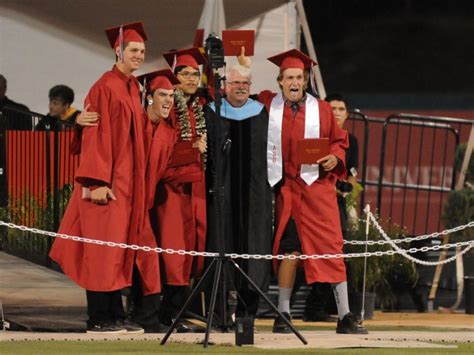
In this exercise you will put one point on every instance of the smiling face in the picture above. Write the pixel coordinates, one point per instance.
(237, 88)
(189, 80)
(162, 102)
(293, 83)
(133, 57)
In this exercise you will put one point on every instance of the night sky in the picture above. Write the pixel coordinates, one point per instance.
(396, 47)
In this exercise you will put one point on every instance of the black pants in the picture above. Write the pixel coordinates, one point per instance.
(142, 309)
(290, 241)
(341, 203)
(247, 303)
(172, 302)
(104, 307)
(318, 297)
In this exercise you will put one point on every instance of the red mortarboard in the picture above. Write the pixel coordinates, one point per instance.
(190, 57)
(293, 58)
(132, 32)
(160, 79)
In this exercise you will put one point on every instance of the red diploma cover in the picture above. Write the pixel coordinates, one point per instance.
(234, 39)
(198, 38)
(183, 154)
(309, 151)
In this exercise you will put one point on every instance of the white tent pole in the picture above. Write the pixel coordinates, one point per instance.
(212, 17)
(310, 45)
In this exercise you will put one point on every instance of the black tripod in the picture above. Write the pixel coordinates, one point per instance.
(219, 262)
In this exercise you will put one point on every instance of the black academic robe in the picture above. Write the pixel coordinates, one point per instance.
(246, 206)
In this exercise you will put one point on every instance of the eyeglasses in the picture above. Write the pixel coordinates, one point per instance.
(239, 83)
(189, 75)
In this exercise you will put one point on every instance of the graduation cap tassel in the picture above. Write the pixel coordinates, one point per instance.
(144, 92)
(121, 44)
(173, 67)
(313, 83)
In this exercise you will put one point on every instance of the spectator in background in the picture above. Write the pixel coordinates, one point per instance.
(341, 112)
(61, 114)
(18, 114)
(320, 292)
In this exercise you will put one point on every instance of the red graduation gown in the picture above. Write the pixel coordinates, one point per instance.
(314, 208)
(179, 216)
(113, 154)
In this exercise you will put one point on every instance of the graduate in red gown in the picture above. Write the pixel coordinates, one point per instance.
(306, 215)
(109, 198)
(179, 215)
(158, 86)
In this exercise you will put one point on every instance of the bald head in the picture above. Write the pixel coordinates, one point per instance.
(3, 86)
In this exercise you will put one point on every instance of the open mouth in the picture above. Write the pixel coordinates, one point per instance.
(294, 92)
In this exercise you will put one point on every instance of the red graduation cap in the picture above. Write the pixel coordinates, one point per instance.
(190, 57)
(159, 79)
(131, 32)
(293, 58)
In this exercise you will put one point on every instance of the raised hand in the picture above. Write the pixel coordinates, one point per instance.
(243, 60)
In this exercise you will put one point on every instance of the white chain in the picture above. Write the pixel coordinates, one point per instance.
(468, 244)
(410, 239)
(409, 257)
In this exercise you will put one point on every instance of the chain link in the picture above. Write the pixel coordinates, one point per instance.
(410, 239)
(397, 250)
(404, 252)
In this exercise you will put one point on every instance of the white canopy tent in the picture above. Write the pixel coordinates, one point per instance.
(48, 42)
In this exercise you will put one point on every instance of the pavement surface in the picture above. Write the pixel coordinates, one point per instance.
(42, 304)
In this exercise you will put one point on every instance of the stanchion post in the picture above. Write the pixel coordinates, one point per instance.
(367, 223)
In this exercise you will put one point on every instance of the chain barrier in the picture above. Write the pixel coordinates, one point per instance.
(410, 239)
(404, 252)
(397, 250)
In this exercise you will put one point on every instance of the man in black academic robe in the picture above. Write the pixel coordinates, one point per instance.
(238, 141)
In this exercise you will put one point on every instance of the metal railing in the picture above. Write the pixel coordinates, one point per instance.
(37, 171)
(416, 169)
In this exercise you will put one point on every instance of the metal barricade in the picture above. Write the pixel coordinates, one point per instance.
(36, 181)
(416, 169)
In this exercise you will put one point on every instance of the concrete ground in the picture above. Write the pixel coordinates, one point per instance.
(41, 304)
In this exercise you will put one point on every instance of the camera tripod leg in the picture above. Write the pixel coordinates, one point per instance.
(188, 301)
(213, 300)
(269, 302)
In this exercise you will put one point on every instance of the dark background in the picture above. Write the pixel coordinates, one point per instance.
(391, 54)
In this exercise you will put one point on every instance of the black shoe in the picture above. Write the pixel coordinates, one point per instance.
(106, 329)
(180, 326)
(279, 325)
(319, 317)
(130, 327)
(350, 325)
(156, 328)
